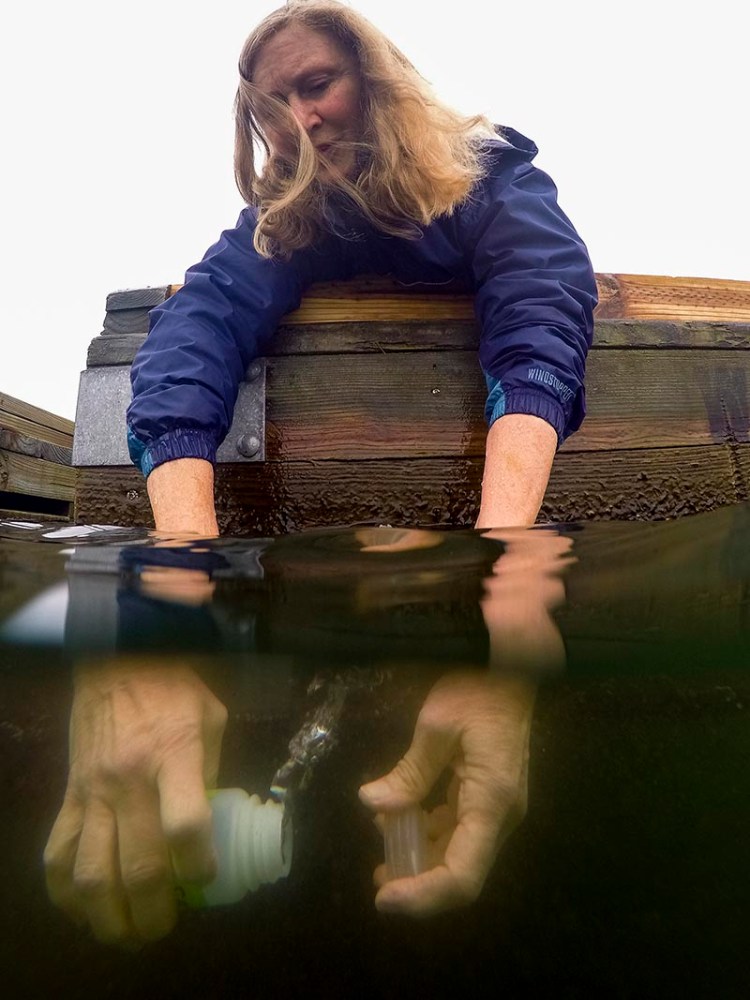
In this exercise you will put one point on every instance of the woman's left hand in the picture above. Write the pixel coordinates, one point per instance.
(477, 725)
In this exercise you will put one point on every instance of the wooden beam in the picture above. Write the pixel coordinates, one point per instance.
(36, 477)
(26, 515)
(382, 338)
(622, 296)
(276, 498)
(650, 296)
(430, 404)
(30, 429)
(11, 440)
(11, 406)
(138, 298)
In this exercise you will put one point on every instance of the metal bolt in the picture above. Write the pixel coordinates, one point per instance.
(248, 445)
(435, 392)
(254, 371)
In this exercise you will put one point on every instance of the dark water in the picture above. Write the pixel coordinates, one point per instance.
(628, 876)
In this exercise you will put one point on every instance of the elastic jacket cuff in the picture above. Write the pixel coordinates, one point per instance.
(531, 401)
(180, 443)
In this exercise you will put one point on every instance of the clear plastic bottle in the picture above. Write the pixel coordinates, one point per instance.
(253, 842)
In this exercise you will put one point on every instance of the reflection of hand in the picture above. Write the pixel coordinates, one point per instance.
(145, 740)
(477, 725)
(526, 585)
(182, 586)
(392, 540)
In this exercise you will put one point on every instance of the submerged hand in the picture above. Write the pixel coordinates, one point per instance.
(145, 740)
(478, 726)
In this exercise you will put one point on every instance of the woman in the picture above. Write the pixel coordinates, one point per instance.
(365, 171)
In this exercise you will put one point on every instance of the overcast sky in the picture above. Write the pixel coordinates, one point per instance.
(117, 142)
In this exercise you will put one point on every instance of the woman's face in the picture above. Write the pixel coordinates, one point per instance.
(319, 81)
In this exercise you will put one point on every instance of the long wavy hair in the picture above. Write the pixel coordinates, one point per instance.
(416, 158)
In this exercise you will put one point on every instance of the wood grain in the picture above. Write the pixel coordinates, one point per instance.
(30, 429)
(36, 477)
(11, 440)
(635, 296)
(113, 348)
(11, 406)
(429, 404)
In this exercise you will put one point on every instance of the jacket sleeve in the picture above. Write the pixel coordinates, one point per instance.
(535, 294)
(186, 376)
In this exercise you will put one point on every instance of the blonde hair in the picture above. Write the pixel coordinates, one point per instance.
(417, 159)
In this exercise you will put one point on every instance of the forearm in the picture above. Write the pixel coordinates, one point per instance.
(182, 497)
(519, 454)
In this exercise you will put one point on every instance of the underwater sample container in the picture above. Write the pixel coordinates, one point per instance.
(405, 837)
(253, 842)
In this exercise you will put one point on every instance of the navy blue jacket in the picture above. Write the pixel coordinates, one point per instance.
(534, 298)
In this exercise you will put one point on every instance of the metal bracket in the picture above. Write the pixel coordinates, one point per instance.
(104, 393)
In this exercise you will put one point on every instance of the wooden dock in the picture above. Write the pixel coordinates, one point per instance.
(37, 479)
(373, 403)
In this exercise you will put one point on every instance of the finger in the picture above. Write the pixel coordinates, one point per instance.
(186, 815)
(434, 891)
(144, 865)
(439, 821)
(214, 723)
(60, 858)
(469, 852)
(96, 876)
(432, 749)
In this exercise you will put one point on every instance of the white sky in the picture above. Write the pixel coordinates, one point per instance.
(117, 141)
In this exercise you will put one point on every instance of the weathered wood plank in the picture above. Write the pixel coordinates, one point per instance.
(113, 349)
(684, 299)
(663, 334)
(25, 515)
(382, 308)
(33, 430)
(640, 399)
(636, 296)
(11, 440)
(36, 477)
(374, 406)
(276, 497)
(431, 404)
(138, 298)
(33, 414)
(361, 338)
(126, 321)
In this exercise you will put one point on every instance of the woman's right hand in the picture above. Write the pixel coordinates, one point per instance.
(145, 742)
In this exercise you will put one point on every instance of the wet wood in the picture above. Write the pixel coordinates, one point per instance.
(279, 497)
(375, 408)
